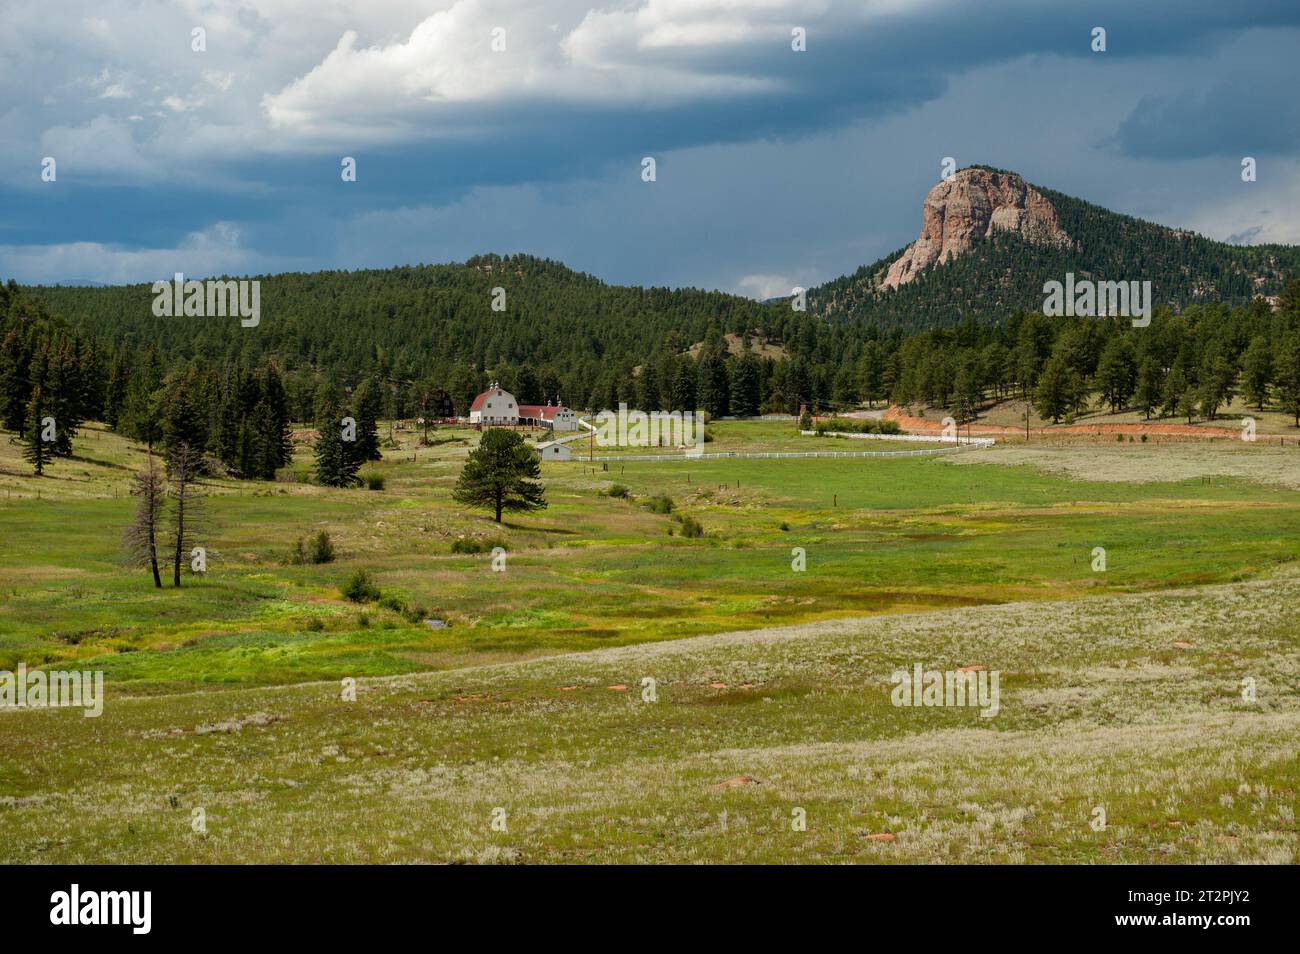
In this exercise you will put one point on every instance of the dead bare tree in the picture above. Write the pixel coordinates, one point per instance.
(140, 538)
(187, 518)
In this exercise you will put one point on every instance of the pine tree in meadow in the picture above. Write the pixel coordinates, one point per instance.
(501, 475)
(337, 461)
(38, 451)
(368, 404)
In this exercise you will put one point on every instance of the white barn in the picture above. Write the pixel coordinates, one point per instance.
(494, 406)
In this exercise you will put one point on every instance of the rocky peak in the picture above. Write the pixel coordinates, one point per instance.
(969, 206)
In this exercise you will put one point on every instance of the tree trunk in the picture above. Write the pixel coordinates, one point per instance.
(153, 559)
(180, 536)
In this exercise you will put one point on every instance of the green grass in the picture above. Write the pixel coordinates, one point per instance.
(225, 695)
(1130, 703)
(880, 536)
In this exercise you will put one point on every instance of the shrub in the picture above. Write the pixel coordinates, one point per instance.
(1119, 438)
(322, 548)
(691, 527)
(854, 425)
(391, 601)
(784, 525)
(299, 555)
(618, 490)
(1144, 438)
(659, 503)
(360, 588)
(472, 545)
(373, 480)
(315, 624)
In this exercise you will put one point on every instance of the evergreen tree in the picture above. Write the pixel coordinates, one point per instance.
(14, 385)
(684, 387)
(1176, 386)
(1116, 376)
(1257, 371)
(746, 386)
(500, 475)
(37, 451)
(1150, 386)
(871, 372)
(184, 420)
(337, 462)
(713, 393)
(648, 385)
(1054, 396)
(368, 404)
(1216, 385)
(1288, 374)
(276, 428)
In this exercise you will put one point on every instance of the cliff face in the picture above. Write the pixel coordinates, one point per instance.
(968, 207)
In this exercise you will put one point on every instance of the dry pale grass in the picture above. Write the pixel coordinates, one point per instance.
(1145, 463)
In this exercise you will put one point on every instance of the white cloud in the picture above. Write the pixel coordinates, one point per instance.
(103, 146)
(384, 91)
(763, 287)
(213, 251)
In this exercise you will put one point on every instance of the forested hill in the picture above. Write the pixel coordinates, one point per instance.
(1004, 274)
(425, 321)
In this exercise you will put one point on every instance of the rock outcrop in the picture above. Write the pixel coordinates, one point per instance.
(969, 206)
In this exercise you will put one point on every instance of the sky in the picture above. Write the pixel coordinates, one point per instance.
(208, 136)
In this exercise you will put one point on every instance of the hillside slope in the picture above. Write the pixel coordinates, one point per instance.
(976, 261)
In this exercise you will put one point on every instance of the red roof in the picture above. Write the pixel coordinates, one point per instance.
(490, 392)
(539, 412)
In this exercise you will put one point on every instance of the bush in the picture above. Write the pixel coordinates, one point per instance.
(299, 555)
(373, 480)
(473, 545)
(322, 548)
(854, 425)
(391, 601)
(360, 588)
(691, 527)
(618, 490)
(659, 503)
(1144, 438)
(784, 525)
(315, 624)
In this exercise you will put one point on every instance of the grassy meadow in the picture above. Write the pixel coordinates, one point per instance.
(1120, 688)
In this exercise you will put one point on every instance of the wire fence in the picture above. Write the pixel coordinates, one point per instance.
(783, 455)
